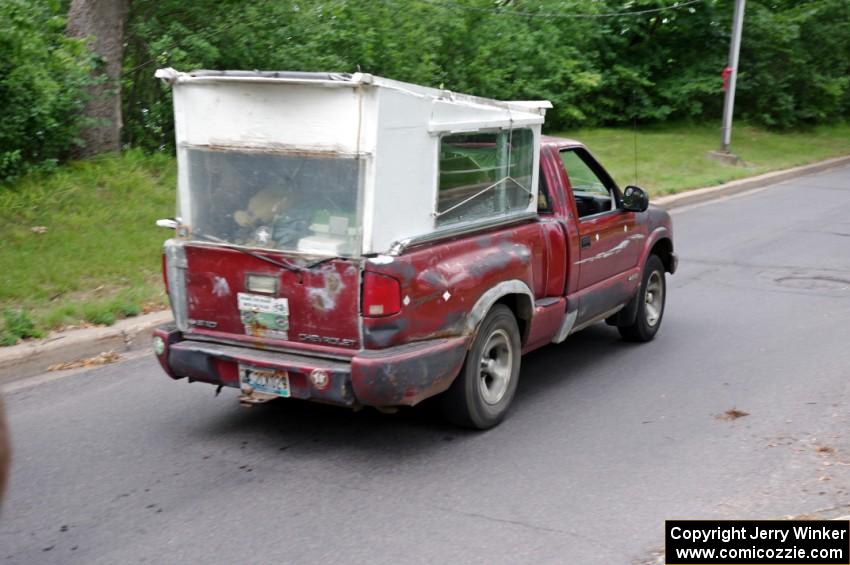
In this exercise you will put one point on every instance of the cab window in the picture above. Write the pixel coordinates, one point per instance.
(594, 192)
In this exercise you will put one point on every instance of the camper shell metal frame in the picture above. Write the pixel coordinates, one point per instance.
(394, 127)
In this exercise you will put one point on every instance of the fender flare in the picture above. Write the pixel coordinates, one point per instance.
(654, 237)
(487, 300)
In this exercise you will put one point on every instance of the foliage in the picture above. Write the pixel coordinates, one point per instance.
(80, 244)
(43, 76)
(17, 325)
(799, 70)
(600, 70)
(794, 70)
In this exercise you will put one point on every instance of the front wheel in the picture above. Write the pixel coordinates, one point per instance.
(651, 296)
(482, 392)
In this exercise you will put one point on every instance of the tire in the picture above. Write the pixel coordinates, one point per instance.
(651, 297)
(481, 394)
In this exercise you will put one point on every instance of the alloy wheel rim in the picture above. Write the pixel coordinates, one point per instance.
(654, 298)
(495, 367)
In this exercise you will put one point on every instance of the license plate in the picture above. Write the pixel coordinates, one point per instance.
(269, 381)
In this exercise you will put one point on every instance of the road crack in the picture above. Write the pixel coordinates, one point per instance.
(537, 528)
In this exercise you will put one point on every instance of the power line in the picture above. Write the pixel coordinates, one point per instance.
(520, 14)
(209, 34)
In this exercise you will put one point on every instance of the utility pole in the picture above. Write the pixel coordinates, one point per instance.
(729, 102)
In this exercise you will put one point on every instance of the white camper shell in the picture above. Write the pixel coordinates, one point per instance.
(345, 165)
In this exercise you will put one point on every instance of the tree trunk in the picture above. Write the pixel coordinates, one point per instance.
(103, 21)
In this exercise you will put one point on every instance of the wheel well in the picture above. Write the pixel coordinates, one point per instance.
(520, 305)
(664, 249)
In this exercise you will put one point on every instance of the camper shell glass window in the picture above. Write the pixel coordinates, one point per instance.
(300, 203)
(484, 175)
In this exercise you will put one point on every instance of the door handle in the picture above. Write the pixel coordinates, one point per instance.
(585, 241)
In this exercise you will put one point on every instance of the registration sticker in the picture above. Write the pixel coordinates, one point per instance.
(264, 316)
(262, 304)
(269, 381)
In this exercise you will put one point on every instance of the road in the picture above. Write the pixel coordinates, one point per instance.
(605, 439)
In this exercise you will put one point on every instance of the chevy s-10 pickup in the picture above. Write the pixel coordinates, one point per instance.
(359, 241)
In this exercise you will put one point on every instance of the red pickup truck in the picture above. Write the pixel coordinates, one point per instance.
(446, 313)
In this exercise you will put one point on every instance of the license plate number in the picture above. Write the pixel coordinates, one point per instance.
(269, 381)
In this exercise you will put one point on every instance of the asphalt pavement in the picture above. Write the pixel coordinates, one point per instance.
(605, 440)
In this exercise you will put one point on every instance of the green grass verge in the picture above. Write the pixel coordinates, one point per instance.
(98, 260)
(80, 245)
(673, 158)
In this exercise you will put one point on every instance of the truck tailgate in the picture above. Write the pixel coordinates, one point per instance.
(318, 306)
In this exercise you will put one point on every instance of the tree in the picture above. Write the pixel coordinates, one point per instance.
(103, 22)
(43, 79)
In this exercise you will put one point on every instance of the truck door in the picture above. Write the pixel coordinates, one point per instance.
(608, 248)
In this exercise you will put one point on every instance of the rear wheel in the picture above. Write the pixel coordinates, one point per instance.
(483, 391)
(650, 297)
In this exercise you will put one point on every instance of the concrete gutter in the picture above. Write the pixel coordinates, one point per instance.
(132, 334)
(750, 183)
(34, 357)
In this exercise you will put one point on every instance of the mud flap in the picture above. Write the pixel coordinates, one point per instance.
(628, 315)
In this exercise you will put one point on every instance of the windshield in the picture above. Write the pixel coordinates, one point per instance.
(307, 204)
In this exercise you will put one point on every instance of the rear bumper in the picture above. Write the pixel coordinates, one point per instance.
(403, 375)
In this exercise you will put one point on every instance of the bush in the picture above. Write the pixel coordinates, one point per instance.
(653, 67)
(795, 66)
(43, 76)
(659, 66)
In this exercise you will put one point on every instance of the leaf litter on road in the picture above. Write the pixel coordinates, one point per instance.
(104, 358)
(732, 414)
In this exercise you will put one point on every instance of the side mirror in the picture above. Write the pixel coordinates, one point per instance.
(635, 199)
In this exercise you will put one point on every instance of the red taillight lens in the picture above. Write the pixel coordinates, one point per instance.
(381, 295)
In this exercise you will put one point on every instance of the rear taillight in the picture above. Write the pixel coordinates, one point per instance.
(381, 295)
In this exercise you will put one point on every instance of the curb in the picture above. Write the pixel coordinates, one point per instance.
(33, 358)
(742, 185)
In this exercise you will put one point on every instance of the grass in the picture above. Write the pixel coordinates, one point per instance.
(79, 245)
(673, 158)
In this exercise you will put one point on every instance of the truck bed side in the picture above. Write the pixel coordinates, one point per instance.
(447, 287)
